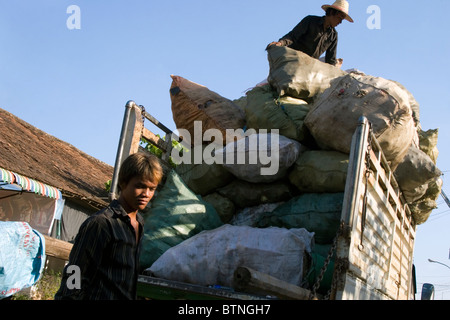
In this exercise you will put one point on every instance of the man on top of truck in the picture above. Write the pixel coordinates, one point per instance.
(315, 35)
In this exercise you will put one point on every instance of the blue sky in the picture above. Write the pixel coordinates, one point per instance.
(74, 83)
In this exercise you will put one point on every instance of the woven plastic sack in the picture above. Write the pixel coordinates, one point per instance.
(193, 102)
(414, 174)
(247, 194)
(335, 114)
(316, 212)
(264, 110)
(428, 143)
(211, 257)
(22, 257)
(175, 215)
(318, 171)
(296, 74)
(256, 165)
(422, 208)
(203, 178)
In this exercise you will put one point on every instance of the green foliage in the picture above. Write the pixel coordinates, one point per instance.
(158, 152)
(108, 185)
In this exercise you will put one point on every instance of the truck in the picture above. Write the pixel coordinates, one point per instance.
(373, 247)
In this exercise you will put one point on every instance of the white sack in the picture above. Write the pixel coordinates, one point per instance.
(334, 116)
(260, 157)
(211, 257)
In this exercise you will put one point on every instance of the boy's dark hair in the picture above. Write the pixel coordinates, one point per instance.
(143, 165)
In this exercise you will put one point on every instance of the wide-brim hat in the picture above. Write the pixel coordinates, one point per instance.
(339, 5)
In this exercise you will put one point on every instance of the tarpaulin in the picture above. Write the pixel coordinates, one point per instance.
(22, 257)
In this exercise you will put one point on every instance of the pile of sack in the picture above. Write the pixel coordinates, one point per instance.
(314, 108)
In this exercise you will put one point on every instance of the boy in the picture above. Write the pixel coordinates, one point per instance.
(106, 248)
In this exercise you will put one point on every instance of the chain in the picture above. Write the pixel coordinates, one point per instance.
(143, 120)
(325, 264)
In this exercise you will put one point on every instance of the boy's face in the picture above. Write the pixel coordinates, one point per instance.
(136, 194)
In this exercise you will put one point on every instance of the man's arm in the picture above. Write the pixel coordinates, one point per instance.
(330, 55)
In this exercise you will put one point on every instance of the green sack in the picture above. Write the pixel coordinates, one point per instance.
(203, 178)
(176, 215)
(319, 171)
(319, 255)
(316, 212)
(298, 75)
(428, 143)
(264, 110)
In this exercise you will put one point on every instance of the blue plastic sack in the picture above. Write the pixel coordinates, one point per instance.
(22, 257)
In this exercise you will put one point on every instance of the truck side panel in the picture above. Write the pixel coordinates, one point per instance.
(375, 247)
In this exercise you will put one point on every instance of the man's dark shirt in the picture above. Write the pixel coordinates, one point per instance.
(107, 254)
(310, 37)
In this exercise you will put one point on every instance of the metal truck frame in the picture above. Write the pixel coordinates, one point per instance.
(373, 247)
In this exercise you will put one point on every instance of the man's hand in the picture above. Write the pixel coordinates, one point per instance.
(339, 62)
(274, 43)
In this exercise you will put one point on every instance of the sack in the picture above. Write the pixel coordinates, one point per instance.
(260, 157)
(251, 215)
(175, 215)
(246, 194)
(415, 107)
(193, 102)
(225, 207)
(335, 115)
(298, 75)
(203, 178)
(22, 257)
(316, 212)
(211, 257)
(422, 208)
(428, 143)
(320, 171)
(414, 174)
(264, 110)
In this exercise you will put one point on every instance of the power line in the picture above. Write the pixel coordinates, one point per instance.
(439, 215)
(444, 196)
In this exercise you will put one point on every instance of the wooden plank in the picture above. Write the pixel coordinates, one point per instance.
(154, 139)
(248, 280)
(57, 248)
